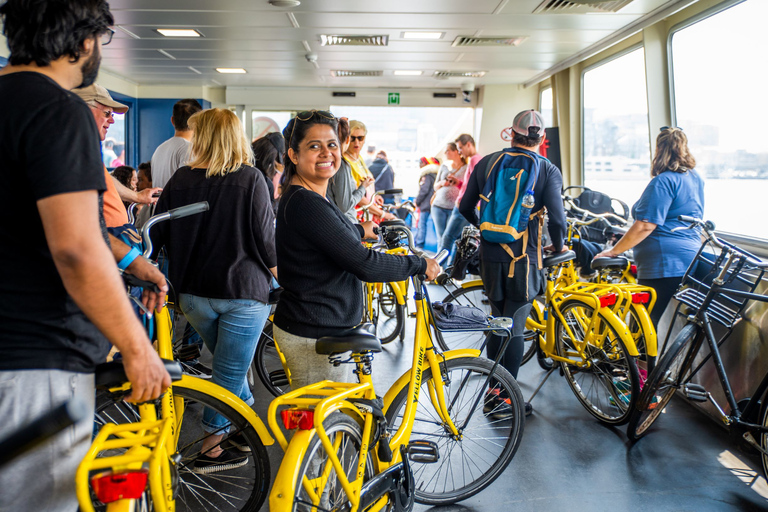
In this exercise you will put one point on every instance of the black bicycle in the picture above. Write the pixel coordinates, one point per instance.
(712, 297)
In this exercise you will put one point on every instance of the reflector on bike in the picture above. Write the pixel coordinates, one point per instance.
(608, 300)
(298, 418)
(641, 297)
(110, 487)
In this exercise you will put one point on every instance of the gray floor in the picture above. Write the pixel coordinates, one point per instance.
(569, 461)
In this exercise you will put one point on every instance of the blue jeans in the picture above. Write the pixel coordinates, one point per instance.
(421, 231)
(230, 329)
(453, 230)
(440, 219)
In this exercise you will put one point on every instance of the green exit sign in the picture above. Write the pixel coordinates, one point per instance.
(393, 98)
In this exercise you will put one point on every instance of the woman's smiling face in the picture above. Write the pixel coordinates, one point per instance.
(319, 154)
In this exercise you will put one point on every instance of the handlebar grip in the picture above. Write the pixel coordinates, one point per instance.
(688, 218)
(190, 209)
(41, 429)
(376, 230)
(132, 280)
(441, 256)
(392, 191)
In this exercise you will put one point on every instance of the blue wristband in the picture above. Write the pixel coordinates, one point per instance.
(128, 258)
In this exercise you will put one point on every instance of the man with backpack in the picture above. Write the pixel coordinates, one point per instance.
(514, 187)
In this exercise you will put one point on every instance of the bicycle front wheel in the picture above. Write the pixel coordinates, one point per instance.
(662, 382)
(347, 437)
(242, 488)
(606, 381)
(475, 297)
(490, 420)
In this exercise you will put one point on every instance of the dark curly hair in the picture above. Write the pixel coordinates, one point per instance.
(42, 31)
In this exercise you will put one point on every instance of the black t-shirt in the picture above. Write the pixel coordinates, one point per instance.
(49, 145)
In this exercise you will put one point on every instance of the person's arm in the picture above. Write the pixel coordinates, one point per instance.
(145, 271)
(263, 222)
(131, 196)
(468, 205)
(553, 201)
(87, 269)
(637, 232)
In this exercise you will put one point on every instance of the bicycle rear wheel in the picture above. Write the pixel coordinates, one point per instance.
(347, 436)
(241, 489)
(663, 381)
(267, 363)
(608, 383)
(488, 442)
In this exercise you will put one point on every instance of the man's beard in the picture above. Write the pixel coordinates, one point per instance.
(90, 69)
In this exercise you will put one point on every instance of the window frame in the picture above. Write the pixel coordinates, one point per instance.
(584, 71)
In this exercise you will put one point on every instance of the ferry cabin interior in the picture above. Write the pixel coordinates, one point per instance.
(607, 74)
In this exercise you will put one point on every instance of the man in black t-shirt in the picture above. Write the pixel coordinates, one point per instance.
(61, 298)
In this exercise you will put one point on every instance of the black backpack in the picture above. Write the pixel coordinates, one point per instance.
(597, 202)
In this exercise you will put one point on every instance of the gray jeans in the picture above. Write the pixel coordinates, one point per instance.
(306, 365)
(44, 478)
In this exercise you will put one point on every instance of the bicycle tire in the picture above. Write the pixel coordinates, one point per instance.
(470, 296)
(267, 363)
(663, 382)
(388, 328)
(241, 489)
(388, 300)
(636, 330)
(315, 460)
(609, 384)
(486, 461)
(764, 437)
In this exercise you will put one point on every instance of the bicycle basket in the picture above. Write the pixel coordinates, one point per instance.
(467, 258)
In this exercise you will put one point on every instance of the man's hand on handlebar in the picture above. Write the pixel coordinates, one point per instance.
(148, 195)
(145, 271)
(369, 232)
(145, 371)
(433, 269)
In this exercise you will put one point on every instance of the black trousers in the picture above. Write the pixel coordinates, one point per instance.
(665, 288)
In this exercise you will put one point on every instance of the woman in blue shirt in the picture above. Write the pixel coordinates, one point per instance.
(662, 256)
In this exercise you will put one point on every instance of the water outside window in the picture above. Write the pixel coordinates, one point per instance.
(408, 133)
(720, 102)
(617, 158)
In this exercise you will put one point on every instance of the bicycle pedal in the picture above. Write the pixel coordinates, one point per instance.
(424, 452)
(695, 393)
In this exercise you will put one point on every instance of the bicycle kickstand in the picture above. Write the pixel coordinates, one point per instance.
(536, 391)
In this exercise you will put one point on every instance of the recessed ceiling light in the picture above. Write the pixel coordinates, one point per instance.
(234, 71)
(179, 32)
(423, 35)
(284, 3)
(408, 72)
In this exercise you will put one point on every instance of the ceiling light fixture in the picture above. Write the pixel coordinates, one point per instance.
(341, 40)
(408, 72)
(231, 71)
(179, 32)
(423, 35)
(284, 3)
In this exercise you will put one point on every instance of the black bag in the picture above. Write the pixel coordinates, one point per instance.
(597, 202)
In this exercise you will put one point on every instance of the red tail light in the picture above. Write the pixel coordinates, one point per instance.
(641, 298)
(633, 269)
(608, 300)
(111, 487)
(295, 418)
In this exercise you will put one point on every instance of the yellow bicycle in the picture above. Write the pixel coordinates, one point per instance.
(144, 456)
(351, 450)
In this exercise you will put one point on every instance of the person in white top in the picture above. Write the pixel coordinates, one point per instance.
(174, 152)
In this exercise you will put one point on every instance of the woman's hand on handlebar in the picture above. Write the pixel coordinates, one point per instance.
(433, 269)
(145, 271)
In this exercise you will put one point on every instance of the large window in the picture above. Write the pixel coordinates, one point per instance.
(617, 158)
(408, 133)
(546, 107)
(721, 104)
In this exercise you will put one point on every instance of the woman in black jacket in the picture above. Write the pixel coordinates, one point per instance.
(322, 260)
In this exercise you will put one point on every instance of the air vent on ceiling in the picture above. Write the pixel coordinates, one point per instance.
(488, 41)
(443, 75)
(339, 73)
(580, 6)
(326, 40)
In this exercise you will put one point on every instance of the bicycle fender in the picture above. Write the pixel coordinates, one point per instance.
(476, 282)
(232, 400)
(621, 328)
(651, 337)
(283, 489)
(405, 378)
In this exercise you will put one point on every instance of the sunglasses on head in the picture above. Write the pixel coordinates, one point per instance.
(669, 127)
(306, 116)
(361, 138)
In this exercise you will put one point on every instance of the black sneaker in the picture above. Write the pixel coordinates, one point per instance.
(225, 461)
(238, 442)
(197, 369)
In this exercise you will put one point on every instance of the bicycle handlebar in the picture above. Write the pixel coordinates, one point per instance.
(41, 429)
(709, 230)
(176, 213)
(595, 216)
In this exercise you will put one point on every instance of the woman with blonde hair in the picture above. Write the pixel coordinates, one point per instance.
(221, 262)
(360, 173)
(662, 256)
